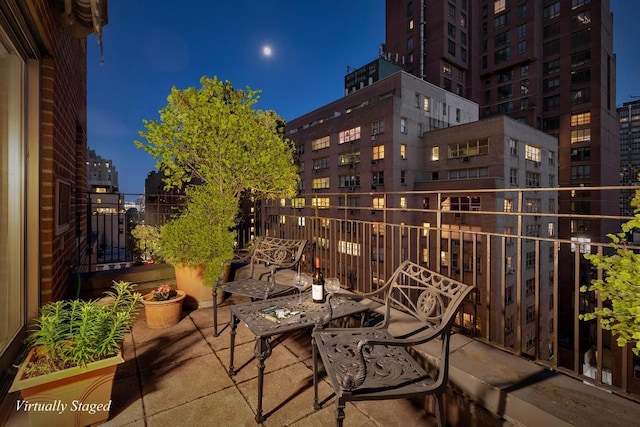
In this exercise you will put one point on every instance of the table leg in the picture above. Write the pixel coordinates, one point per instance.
(314, 349)
(262, 352)
(215, 314)
(233, 323)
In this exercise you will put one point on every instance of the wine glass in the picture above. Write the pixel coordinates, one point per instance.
(331, 285)
(301, 282)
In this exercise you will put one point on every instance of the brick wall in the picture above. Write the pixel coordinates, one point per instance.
(62, 156)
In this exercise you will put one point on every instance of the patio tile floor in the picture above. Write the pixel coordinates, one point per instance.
(177, 376)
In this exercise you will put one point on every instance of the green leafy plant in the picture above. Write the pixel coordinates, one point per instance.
(620, 287)
(75, 332)
(147, 238)
(213, 141)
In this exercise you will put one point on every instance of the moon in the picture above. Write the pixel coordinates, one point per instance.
(267, 51)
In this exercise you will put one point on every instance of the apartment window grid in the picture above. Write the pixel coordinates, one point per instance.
(578, 3)
(349, 181)
(513, 147)
(469, 148)
(508, 294)
(507, 205)
(349, 135)
(403, 125)
(530, 260)
(320, 202)
(378, 203)
(469, 173)
(377, 127)
(377, 152)
(580, 135)
(580, 119)
(349, 158)
(522, 47)
(321, 163)
(319, 143)
(533, 153)
(426, 104)
(320, 183)
(377, 178)
(532, 179)
(513, 176)
(530, 286)
(533, 205)
(552, 11)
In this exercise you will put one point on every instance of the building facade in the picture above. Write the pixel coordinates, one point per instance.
(43, 129)
(361, 155)
(629, 116)
(549, 64)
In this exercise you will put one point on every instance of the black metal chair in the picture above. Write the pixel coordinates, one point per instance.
(369, 363)
(265, 276)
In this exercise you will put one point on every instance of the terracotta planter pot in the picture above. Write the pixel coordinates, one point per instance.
(190, 280)
(162, 314)
(71, 397)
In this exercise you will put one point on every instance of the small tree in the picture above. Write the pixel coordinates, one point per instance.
(147, 237)
(213, 137)
(620, 288)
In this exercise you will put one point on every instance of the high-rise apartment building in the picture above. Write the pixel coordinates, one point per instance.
(547, 63)
(629, 116)
(403, 151)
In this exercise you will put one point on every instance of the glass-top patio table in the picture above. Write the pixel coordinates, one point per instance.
(270, 317)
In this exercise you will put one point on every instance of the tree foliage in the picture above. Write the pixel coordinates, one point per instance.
(214, 138)
(620, 288)
(214, 135)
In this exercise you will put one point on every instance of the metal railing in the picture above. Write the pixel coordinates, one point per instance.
(524, 257)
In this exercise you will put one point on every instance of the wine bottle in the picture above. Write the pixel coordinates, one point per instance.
(317, 287)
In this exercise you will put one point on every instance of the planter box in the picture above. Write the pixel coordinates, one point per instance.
(190, 280)
(163, 314)
(71, 397)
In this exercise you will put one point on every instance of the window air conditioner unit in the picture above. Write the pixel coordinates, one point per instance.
(511, 270)
(465, 159)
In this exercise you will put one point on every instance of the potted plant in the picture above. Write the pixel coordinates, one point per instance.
(212, 141)
(620, 287)
(163, 307)
(74, 350)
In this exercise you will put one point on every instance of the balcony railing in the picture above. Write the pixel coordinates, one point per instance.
(525, 259)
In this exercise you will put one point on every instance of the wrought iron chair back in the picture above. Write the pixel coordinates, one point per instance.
(370, 363)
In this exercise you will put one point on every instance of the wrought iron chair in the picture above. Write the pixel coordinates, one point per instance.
(369, 363)
(265, 275)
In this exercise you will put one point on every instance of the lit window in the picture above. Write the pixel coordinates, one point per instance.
(403, 151)
(435, 153)
(377, 152)
(349, 135)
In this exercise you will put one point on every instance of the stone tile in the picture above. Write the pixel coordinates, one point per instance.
(327, 417)
(172, 385)
(288, 394)
(203, 317)
(224, 408)
(299, 343)
(126, 406)
(246, 364)
(223, 341)
(165, 350)
(141, 333)
(396, 412)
